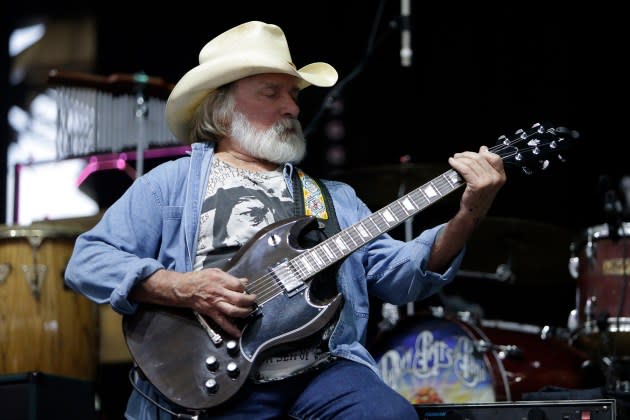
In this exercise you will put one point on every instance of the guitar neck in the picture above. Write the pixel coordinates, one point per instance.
(350, 239)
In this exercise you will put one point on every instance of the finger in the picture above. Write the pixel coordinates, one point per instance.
(466, 164)
(241, 299)
(231, 282)
(225, 324)
(484, 162)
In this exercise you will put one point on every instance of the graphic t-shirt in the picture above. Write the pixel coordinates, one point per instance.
(238, 203)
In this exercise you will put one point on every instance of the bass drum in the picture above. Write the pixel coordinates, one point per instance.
(429, 359)
(44, 326)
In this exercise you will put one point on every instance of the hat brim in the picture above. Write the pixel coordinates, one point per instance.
(200, 81)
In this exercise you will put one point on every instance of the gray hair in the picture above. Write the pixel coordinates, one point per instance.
(212, 118)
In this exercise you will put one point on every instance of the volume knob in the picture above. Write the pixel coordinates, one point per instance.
(211, 386)
(232, 347)
(232, 370)
(212, 363)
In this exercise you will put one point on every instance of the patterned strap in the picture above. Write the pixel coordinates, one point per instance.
(314, 204)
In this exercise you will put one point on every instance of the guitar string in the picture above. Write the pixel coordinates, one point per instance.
(289, 269)
(271, 289)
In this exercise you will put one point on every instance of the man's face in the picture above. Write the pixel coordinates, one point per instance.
(265, 99)
(264, 123)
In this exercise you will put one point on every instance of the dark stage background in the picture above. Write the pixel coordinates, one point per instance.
(478, 72)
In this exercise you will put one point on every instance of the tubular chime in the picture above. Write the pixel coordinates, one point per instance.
(101, 114)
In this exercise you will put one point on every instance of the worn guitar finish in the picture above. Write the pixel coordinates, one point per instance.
(196, 365)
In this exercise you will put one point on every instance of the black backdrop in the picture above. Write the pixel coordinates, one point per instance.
(478, 72)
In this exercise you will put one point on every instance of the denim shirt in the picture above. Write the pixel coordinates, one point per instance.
(154, 225)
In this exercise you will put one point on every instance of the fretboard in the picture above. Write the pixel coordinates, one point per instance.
(350, 239)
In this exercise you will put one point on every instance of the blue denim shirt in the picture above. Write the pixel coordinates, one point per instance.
(154, 226)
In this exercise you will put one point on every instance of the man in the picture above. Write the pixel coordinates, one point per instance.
(166, 241)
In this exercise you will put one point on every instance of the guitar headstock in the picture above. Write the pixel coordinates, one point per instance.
(533, 149)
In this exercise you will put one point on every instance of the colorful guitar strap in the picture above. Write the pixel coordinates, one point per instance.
(315, 200)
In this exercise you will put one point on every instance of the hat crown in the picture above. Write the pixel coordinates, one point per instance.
(256, 36)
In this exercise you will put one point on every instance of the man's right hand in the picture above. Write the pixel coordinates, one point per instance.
(211, 292)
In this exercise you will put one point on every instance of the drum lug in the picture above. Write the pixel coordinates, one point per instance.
(574, 263)
(389, 313)
(483, 346)
(5, 269)
(437, 311)
(35, 275)
(573, 323)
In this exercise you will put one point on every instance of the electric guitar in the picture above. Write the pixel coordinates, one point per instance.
(196, 365)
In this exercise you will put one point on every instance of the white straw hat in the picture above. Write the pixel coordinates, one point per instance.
(245, 50)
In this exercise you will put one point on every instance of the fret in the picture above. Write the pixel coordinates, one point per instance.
(348, 235)
(435, 190)
(318, 260)
(398, 210)
(388, 216)
(306, 264)
(408, 204)
(362, 231)
(445, 176)
(424, 195)
(371, 219)
(354, 235)
(327, 251)
(312, 260)
(341, 245)
(418, 199)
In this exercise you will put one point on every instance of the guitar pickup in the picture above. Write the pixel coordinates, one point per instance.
(287, 277)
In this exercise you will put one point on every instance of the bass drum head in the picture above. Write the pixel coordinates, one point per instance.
(438, 360)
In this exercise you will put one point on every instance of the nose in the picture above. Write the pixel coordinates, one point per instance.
(291, 107)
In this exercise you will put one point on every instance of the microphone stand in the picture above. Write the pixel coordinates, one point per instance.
(336, 91)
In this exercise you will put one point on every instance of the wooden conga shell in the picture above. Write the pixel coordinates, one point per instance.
(112, 345)
(44, 325)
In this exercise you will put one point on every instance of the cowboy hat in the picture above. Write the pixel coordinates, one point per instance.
(245, 50)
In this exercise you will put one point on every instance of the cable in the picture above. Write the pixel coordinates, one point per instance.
(152, 401)
(335, 92)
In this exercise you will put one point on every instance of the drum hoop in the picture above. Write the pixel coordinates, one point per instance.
(38, 232)
(603, 231)
(489, 356)
(511, 326)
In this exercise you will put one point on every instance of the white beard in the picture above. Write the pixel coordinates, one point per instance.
(283, 142)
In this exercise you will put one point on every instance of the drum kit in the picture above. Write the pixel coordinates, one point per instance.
(439, 352)
(454, 354)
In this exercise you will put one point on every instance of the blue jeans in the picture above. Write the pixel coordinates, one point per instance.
(341, 390)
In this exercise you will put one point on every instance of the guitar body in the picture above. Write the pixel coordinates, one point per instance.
(171, 347)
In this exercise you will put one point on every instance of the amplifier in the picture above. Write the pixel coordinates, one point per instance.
(601, 409)
(40, 396)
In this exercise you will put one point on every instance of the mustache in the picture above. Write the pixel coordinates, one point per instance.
(288, 126)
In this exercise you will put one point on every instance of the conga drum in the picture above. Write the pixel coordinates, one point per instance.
(112, 346)
(44, 325)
